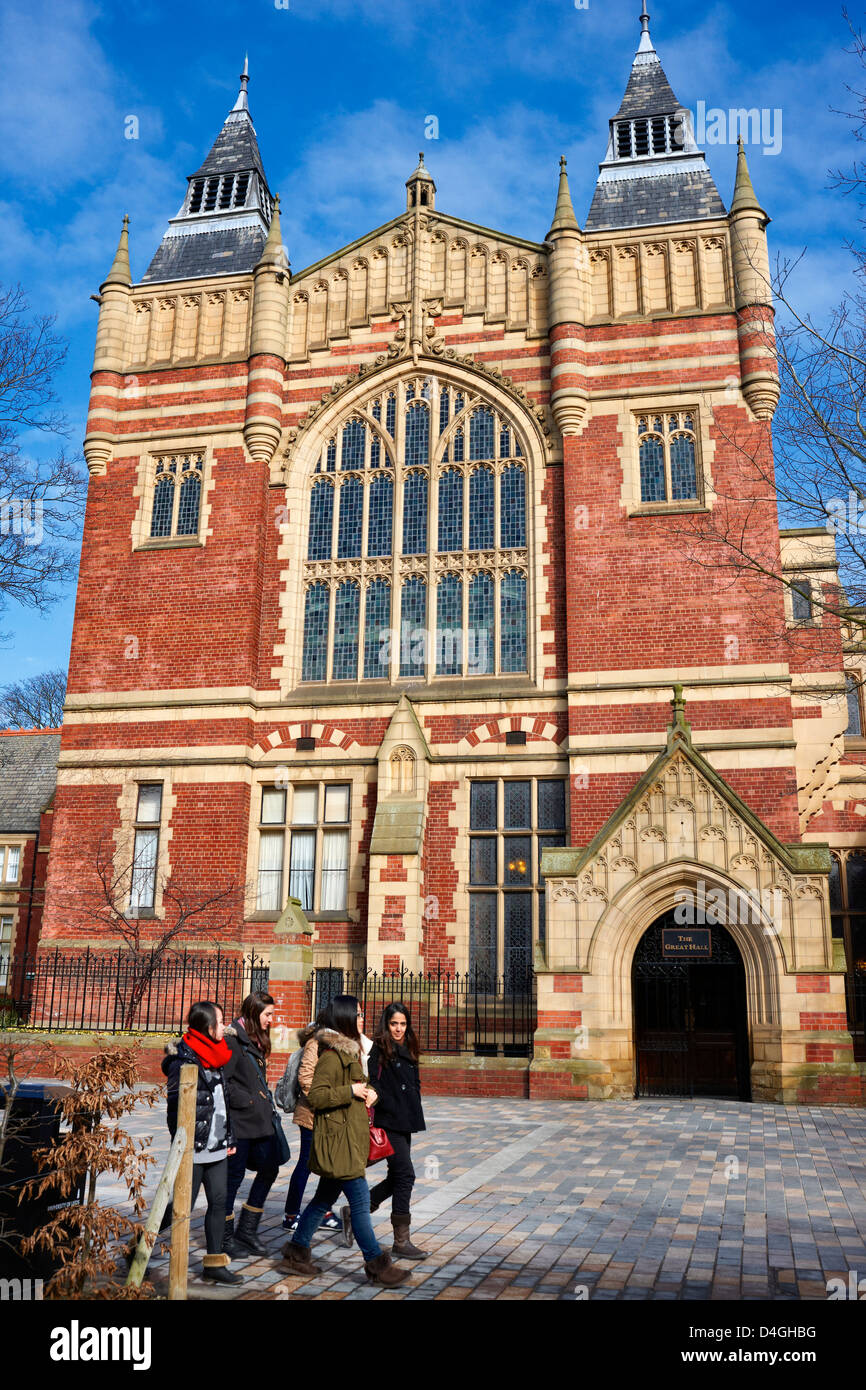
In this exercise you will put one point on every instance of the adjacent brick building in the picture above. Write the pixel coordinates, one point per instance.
(384, 595)
(28, 773)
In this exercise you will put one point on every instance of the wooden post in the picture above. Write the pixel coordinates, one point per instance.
(179, 1261)
(145, 1245)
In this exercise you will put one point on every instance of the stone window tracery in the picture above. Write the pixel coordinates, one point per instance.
(416, 558)
(667, 443)
(176, 496)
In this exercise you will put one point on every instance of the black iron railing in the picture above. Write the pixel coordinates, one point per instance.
(473, 1013)
(122, 990)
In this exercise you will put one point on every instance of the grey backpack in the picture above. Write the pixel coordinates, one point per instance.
(288, 1089)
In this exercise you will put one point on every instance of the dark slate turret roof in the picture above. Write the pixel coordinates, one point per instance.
(668, 184)
(28, 776)
(225, 240)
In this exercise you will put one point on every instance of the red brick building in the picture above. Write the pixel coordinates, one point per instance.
(28, 772)
(384, 593)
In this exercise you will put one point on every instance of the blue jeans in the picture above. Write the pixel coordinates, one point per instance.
(300, 1174)
(358, 1195)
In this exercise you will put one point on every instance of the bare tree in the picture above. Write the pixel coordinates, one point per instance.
(35, 702)
(149, 939)
(41, 500)
(17, 1065)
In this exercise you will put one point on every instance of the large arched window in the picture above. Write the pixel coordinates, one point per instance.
(416, 559)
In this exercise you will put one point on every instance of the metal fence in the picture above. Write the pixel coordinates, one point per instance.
(125, 991)
(451, 1013)
(122, 991)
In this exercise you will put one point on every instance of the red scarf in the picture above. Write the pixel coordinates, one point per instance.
(210, 1052)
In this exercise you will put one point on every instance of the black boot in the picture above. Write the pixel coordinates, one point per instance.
(216, 1270)
(248, 1225)
(231, 1247)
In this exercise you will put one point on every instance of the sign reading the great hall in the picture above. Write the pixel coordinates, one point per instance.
(696, 943)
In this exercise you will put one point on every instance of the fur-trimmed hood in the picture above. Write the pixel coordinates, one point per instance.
(329, 1037)
(304, 1034)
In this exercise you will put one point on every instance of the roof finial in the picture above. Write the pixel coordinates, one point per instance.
(120, 274)
(646, 43)
(242, 104)
(563, 215)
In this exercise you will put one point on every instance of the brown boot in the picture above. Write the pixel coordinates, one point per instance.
(382, 1271)
(403, 1249)
(297, 1258)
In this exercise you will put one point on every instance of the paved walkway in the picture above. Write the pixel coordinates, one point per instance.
(617, 1200)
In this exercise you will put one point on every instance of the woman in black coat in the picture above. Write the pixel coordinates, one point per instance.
(393, 1072)
(257, 1144)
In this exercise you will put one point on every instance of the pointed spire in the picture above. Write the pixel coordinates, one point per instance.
(679, 726)
(563, 215)
(745, 199)
(274, 252)
(646, 43)
(120, 273)
(242, 103)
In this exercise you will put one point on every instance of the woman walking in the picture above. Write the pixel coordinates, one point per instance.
(338, 1097)
(393, 1069)
(254, 1122)
(204, 1045)
(302, 1116)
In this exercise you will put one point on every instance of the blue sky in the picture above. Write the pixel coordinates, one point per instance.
(339, 92)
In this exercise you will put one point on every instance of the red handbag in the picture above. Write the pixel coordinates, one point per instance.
(380, 1144)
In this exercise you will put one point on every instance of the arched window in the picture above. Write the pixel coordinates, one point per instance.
(481, 509)
(652, 469)
(176, 496)
(415, 513)
(346, 615)
(413, 627)
(316, 608)
(321, 521)
(351, 517)
(418, 470)
(380, 520)
(190, 498)
(402, 767)
(667, 446)
(449, 626)
(512, 507)
(450, 510)
(377, 624)
(163, 505)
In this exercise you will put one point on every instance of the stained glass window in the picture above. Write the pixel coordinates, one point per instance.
(346, 613)
(413, 621)
(381, 515)
(449, 626)
(512, 507)
(190, 496)
(375, 451)
(480, 645)
(451, 510)
(481, 509)
(391, 414)
(331, 456)
(351, 516)
(315, 658)
(683, 480)
(481, 434)
(415, 514)
(444, 410)
(417, 435)
(163, 505)
(321, 521)
(354, 435)
(377, 622)
(513, 622)
(458, 446)
(504, 444)
(652, 470)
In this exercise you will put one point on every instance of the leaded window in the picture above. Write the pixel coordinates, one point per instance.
(511, 823)
(418, 472)
(177, 480)
(667, 448)
(848, 924)
(148, 814)
(304, 829)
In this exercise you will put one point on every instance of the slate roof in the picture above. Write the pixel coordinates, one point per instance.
(648, 93)
(226, 251)
(28, 776)
(640, 202)
(234, 150)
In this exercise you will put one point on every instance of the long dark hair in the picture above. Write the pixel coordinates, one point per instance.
(385, 1043)
(251, 1011)
(343, 1016)
(202, 1017)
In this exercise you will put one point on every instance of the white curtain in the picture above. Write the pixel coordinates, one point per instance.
(143, 870)
(270, 871)
(302, 867)
(13, 863)
(335, 870)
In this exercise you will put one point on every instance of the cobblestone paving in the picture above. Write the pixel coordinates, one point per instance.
(618, 1200)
